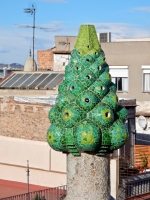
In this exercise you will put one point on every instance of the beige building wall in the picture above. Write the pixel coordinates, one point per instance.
(65, 43)
(133, 55)
(47, 167)
(131, 39)
(37, 177)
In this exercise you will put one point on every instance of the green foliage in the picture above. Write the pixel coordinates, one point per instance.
(37, 197)
(144, 159)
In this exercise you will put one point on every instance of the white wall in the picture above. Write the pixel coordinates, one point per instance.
(60, 61)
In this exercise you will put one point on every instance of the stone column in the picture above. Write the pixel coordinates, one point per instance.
(88, 177)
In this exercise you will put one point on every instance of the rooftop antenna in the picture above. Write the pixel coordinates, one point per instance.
(32, 10)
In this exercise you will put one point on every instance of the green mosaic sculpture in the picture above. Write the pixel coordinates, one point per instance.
(87, 116)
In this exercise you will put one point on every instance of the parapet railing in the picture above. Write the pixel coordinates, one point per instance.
(135, 186)
(58, 193)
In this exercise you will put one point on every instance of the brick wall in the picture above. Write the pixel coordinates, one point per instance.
(23, 120)
(45, 59)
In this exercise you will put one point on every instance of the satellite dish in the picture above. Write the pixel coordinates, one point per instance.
(142, 122)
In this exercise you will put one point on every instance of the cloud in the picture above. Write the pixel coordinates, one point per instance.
(16, 43)
(55, 1)
(122, 30)
(146, 9)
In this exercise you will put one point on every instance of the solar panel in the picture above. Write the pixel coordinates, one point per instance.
(47, 80)
(55, 81)
(21, 80)
(38, 80)
(7, 79)
(32, 78)
(12, 80)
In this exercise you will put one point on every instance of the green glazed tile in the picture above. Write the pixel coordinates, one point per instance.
(54, 136)
(62, 87)
(111, 100)
(87, 77)
(87, 116)
(105, 77)
(75, 88)
(87, 41)
(87, 100)
(122, 113)
(113, 87)
(68, 69)
(78, 68)
(119, 134)
(102, 114)
(71, 115)
(99, 88)
(87, 136)
(54, 114)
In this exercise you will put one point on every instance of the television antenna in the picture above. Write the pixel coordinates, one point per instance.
(32, 10)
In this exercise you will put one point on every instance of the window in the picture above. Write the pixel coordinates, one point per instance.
(119, 76)
(121, 83)
(146, 78)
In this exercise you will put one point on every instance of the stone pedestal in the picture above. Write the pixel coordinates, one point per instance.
(88, 177)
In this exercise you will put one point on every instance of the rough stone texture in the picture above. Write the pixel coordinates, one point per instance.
(23, 120)
(88, 177)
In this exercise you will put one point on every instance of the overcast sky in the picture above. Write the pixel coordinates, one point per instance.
(123, 18)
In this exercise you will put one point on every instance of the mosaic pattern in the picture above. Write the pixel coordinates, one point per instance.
(87, 116)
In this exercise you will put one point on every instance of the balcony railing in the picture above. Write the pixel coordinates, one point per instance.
(135, 186)
(58, 193)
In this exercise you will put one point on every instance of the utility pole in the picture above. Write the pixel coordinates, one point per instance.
(28, 174)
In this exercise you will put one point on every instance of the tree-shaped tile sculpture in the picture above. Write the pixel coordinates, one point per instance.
(87, 116)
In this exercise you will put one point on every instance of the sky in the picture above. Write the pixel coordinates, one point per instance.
(123, 18)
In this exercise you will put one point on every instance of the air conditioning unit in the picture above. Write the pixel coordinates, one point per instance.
(104, 37)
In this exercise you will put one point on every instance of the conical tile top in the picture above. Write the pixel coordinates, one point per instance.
(87, 42)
